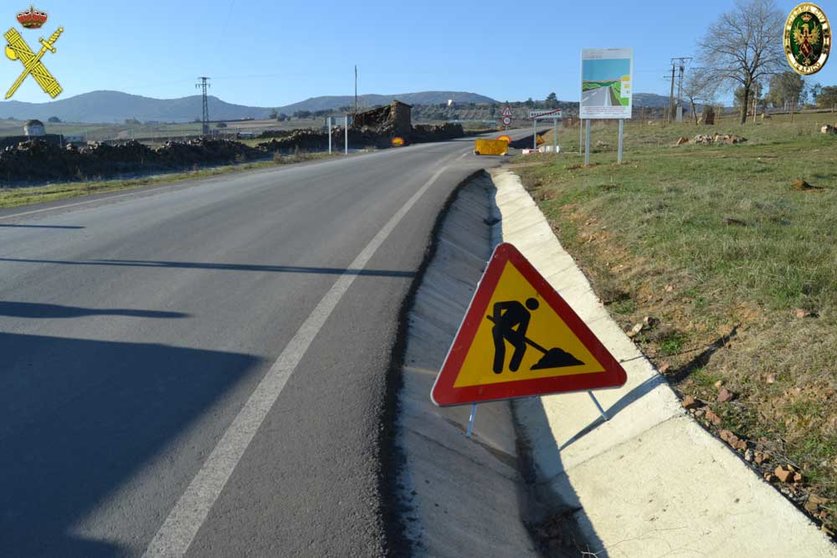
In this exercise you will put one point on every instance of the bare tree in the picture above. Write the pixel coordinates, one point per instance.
(699, 87)
(744, 46)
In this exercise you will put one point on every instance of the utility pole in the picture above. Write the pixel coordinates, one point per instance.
(671, 95)
(682, 68)
(204, 85)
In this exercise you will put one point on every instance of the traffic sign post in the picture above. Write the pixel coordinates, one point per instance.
(555, 116)
(519, 338)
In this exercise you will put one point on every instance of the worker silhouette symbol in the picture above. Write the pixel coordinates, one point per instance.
(511, 320)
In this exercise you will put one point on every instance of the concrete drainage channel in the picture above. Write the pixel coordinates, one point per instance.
(547, 476)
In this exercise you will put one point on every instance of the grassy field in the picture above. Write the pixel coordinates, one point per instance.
(14, 197)
(736, 269)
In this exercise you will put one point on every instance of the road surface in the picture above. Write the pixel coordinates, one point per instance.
(599, 97)
(200, 368)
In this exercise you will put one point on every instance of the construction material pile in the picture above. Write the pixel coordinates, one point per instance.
(40, 161)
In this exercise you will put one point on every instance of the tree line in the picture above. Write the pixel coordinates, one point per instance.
(743, 50)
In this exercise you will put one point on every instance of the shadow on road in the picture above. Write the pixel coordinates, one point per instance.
(63, 227)
(79, 418)
(623, 403)
(222, 267)
(67, 227)
(37, 310)
(557, 520)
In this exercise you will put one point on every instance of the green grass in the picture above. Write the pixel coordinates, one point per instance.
(19, 196)
(711, 239)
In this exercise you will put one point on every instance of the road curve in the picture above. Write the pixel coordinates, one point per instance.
(137, 329)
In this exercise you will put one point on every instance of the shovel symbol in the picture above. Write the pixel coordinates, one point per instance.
(511, 319)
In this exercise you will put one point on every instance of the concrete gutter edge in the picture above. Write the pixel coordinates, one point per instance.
(650, 481)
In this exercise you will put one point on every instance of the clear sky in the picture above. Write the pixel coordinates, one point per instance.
(272, 53)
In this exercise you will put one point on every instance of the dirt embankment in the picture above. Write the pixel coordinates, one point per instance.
(38, 161)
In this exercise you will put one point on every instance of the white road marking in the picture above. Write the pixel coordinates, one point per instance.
(178, 531)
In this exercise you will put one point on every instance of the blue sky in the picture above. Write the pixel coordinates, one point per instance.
(272, 53)
(606, 69)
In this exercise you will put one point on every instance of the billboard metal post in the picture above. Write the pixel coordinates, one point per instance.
(580, 129)
(346, 134)
(621, 135)
(587, 143)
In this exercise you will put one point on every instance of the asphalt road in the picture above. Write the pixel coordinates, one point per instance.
(599, 97)
(201, 366)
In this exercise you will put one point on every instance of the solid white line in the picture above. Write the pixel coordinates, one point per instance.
(177, 532)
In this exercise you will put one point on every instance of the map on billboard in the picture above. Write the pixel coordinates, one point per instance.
(606, 76)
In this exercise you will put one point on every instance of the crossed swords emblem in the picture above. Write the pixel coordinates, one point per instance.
(17, 49)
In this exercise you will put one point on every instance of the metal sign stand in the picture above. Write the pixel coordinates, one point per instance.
(471, 420)
(555, 135)
(621, 136)
(587, 143)
(535, 134)
(598, 406)
(346, 134)
(328, 125)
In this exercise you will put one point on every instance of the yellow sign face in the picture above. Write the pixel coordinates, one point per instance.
(397, 141)
(519, 338)
(531, 341)
(490, 147)
(18, 49)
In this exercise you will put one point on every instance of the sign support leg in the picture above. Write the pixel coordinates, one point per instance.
(555, 135)
(328, 125)
(471, 420)
(580, 129)
(621, 135)
(587, 143)
(346, 134)
(598, 406)
(534, 133)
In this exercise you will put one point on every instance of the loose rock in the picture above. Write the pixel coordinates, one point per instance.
(690, 402)
(725, 395)
(713, 418)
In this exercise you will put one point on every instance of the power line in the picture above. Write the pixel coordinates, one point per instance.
(204, 85)
(677, 64)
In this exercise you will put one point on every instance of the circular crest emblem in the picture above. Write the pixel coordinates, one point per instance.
(807, 39)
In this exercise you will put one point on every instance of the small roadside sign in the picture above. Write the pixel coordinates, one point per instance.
(545, 114)
(506, 120)
(519, 338)
(507, 111)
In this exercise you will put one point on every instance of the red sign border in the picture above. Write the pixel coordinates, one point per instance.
(445, 394)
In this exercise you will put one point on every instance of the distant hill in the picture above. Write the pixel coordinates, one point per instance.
(114, 106)
(422, 98)
(649, 100)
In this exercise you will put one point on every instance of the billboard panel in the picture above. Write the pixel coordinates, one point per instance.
(606, 78)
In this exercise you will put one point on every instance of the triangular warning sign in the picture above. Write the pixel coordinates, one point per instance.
(519, 338)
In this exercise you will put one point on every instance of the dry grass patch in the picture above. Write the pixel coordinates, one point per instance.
(726, 275)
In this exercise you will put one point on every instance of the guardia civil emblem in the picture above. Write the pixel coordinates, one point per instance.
(807, 39)
(18, 49)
